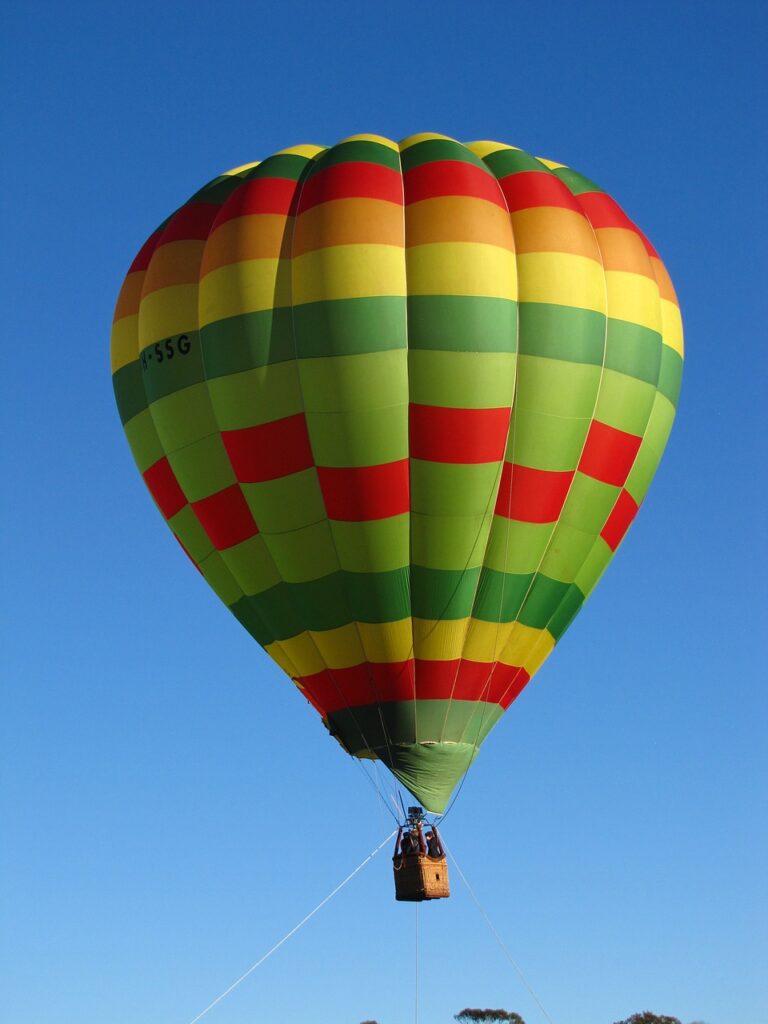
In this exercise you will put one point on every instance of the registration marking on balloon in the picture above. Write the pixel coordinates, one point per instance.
(400, 403)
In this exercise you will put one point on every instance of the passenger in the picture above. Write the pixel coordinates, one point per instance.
(409, 844)
(433, 845)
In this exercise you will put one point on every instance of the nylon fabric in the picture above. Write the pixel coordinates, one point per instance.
(400, 403)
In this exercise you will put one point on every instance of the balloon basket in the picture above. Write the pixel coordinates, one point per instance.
(420, 877)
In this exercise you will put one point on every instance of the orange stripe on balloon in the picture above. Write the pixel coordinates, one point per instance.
(359, 221)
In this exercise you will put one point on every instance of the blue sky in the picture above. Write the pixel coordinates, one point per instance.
(615, 824)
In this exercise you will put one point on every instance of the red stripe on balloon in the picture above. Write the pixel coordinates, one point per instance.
(380, 683)
(144, 255)
(618, 522)
(313, 701)
(192, 222)
(608, 453)
(441, 434)
(226, 517)
(353, 180)
(360, 493)
(532, 495)
(258, 196)
(450, 178)
(462, 679)
(269, 451)
(604, 212)
(360, 685)
(164, 488)
(513, 684)
(536, 188)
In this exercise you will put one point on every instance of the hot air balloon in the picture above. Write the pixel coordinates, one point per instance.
(399, 403)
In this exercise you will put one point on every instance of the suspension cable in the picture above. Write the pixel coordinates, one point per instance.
(416, 986)
(293, 930)
(498, 937)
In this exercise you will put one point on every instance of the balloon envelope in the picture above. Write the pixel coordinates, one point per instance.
(400, 403)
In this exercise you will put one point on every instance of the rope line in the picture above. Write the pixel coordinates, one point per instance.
(498, 937)
(293, 930)
(416, 986)
(376, 784)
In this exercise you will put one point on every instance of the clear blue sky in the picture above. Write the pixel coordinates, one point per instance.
(625, 790)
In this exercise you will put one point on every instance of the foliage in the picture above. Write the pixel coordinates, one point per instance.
(646, 1017)
(470, 1016)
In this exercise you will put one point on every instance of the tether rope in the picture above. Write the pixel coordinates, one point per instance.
(416, 986)
(498, 937)
(293, 930)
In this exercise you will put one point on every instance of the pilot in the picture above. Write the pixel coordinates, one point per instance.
(433, 846)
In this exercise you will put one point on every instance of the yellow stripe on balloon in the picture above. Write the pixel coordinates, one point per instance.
(348, 272)
(439, 639)
(562, 279)
(166, 312)
(124, 343)
(302, 653)
(672, 326)
(306, 149)
(382, 141)
(239, 170)
(462, 268)
(634, 298)
(244, 287)
(341, 647)
(486, 641)
(527, 647)
(283, 660)
(483, 148)
(387, 642)
(414, 140)
(551, 164)
(511, 644)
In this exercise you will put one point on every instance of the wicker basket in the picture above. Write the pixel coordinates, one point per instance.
(419, 877)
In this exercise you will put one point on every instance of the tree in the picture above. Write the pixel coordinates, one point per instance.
(470, 1016)
(646, 1017)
